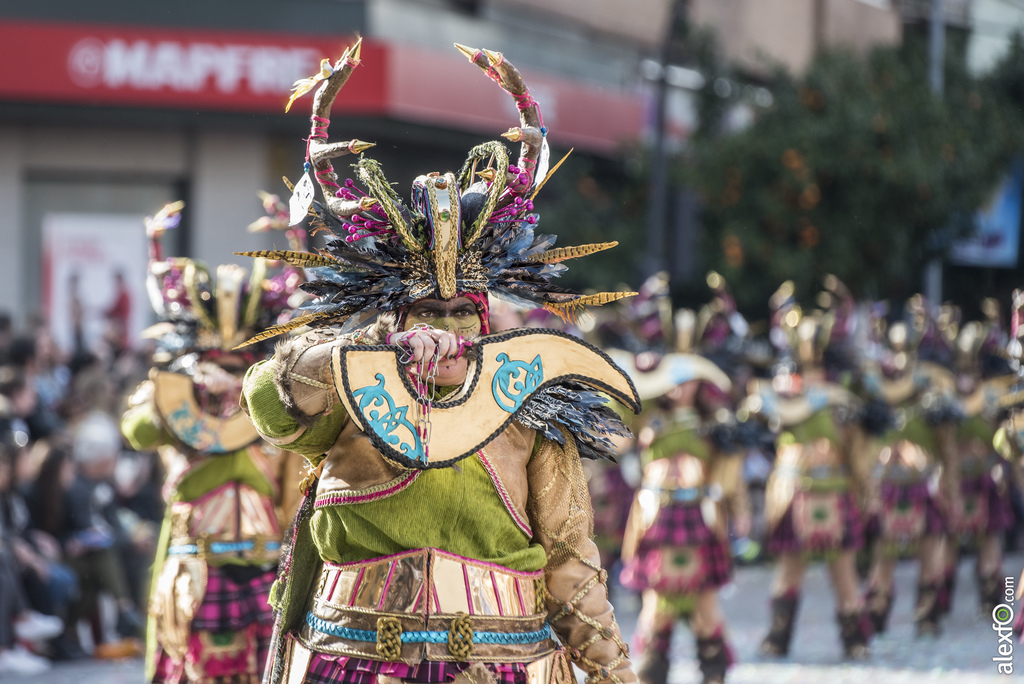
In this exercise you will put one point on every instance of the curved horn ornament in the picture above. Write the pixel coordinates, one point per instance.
(472, 231)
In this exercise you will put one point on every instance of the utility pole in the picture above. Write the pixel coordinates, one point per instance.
(936, 64)
(657, 207)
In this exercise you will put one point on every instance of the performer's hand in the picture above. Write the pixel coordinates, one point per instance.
(215, 379)
(424, 342)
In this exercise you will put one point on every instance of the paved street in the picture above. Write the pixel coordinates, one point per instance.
(963, 655)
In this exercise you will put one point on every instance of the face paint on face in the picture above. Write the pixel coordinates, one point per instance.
(457, 316)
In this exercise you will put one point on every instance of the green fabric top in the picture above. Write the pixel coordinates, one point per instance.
(976, 427)
(916, 431)
(143, 430)
(678, 440)
(820, 424)
(265, 408)
(456, 509)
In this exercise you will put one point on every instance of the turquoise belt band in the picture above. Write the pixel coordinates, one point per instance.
(681, 494)
(428, 637)
(220, 547)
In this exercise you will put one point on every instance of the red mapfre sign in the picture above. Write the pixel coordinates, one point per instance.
(253, 72)
(176, 68)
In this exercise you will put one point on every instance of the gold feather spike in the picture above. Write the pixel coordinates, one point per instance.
(276, 330)
(551, 172)
(553, 256)
(571, 311)
(602, 298)
(302, 259)
(288, 184)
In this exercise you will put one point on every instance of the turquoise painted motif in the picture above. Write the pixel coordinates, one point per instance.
(192, 429)
(385, 419)
(515, 381)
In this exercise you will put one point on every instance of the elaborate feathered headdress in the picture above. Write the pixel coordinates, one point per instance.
(202, 310)
(471, 231)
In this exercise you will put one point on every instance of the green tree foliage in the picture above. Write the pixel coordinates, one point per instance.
(857, 169)
(593, 200)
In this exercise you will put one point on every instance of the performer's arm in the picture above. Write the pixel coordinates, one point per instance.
(734, 487)
(1006, 445)
(140, 424)
(856, 452)
(291, 397)
(948, 452)
(577, 602)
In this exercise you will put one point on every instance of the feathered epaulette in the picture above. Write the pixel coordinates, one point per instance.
(471, 231)
(583, 412)
(733, 436)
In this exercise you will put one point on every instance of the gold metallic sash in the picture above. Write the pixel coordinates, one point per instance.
(428, 604)
(227, 523)
(377, 393)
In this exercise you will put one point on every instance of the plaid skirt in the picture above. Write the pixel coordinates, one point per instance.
(899, 500)
(236, 657)
(331, 669)
(230, 633)
(840, 528)
(228, 606)
(986, 510)
(678, 554)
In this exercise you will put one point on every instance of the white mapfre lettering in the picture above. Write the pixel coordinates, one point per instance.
(189, 67)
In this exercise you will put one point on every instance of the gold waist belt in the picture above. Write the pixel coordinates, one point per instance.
(257, 550)
(230, 522)
(428, 605)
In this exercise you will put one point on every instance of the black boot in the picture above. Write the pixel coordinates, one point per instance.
(946, 591)
(714, 658)
(654, 663)
(784, 607)
(990, 593)
(927, 610)
(879, 607)
(854, 632)
(653, 668)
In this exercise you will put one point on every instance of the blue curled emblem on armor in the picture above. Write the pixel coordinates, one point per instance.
(385, 419)
(192, 429)
(515, 381)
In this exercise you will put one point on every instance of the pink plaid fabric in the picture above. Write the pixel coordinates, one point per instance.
(228, 606)
(678, 533)
(783, 538)
(330, 669)
(983, 491)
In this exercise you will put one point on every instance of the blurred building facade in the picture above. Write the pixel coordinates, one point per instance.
(759, 34)
(115, 107)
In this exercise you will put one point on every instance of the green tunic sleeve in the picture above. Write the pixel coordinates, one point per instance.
(141, 427)
(262, 401)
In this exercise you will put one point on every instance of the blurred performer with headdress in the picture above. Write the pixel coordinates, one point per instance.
(445, 530)
(916, 460)
(229, 492)
(643, 326)
(676, 550)
(819, 485)
(1009, 438)
(983, 379)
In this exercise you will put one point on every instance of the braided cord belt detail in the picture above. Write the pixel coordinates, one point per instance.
(428, 637)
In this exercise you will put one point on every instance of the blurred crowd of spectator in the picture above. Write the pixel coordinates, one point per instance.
(79, 512)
